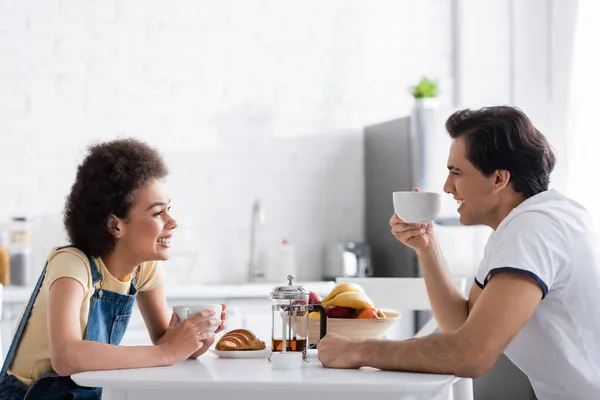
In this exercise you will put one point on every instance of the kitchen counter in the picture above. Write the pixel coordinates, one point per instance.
(212, 377)
(246, 290)
(248, 304)
(13, 294)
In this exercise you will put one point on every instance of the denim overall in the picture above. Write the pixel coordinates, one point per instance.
(108, 318)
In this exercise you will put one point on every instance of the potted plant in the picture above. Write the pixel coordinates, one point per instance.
(425, 93)
(424, 124)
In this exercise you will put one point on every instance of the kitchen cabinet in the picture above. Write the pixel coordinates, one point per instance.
(248, 307)
(10, 315)
(253, 314)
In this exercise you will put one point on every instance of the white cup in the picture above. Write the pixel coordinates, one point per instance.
(184, 312)
(417, 207)
(287, 360)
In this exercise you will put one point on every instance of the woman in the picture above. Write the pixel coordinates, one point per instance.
(118, 220)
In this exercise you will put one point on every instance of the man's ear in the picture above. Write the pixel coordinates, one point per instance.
(115, 226)
(502, 179)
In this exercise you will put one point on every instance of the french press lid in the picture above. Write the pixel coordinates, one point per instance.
(290, 291)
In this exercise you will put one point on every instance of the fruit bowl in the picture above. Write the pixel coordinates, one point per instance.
(350, 313)
(354, 328)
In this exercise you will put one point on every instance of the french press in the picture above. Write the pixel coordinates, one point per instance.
(290, 309)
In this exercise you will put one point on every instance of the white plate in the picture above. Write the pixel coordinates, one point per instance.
(242, 353)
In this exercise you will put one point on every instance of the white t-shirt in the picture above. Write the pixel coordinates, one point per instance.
(550, 238)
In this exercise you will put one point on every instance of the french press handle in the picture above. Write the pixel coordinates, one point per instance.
(322, 321)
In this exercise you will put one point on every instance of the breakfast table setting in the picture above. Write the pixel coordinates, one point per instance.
(242, 365)
(247, 378)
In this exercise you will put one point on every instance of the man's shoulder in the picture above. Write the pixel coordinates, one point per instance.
(548, 208)
(529, 220)
(531, 227)
(550, 214)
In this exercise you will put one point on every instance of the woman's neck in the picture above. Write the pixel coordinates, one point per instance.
(119, 265)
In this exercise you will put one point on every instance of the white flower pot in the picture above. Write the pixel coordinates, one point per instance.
(424, 131)
(427, 103)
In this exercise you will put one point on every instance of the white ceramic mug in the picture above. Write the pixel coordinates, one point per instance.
(417, 207)
(287, 360)
(184, 312)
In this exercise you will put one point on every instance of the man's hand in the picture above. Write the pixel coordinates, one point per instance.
(336, 351)
(415, 236)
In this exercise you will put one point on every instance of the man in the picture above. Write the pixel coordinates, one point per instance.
(536, 295)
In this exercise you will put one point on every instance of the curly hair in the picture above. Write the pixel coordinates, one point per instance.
(503, 137)
(106, 184)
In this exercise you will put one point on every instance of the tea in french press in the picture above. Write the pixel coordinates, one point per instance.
(289, 326)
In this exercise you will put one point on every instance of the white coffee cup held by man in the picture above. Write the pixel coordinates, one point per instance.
(414, 213)
(417, 207)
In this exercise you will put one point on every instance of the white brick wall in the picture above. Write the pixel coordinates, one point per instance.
(245, 99)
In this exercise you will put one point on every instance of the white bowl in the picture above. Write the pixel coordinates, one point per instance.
(354, 328)
(417, 207)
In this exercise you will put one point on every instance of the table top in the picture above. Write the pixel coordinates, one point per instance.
(210, 372)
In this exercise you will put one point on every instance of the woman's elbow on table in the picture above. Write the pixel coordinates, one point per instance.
(64, 361)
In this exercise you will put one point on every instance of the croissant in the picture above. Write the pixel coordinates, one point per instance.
(240, 339)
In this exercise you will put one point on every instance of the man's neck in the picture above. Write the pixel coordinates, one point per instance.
(505, 208)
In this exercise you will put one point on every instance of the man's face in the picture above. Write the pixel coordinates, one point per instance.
(474, 192)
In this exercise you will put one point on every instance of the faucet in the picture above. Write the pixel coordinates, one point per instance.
(257, 220)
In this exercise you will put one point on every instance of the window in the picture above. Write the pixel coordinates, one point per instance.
(583, 181)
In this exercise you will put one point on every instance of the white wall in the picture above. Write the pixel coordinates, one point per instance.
(518, 53)
(244, 98)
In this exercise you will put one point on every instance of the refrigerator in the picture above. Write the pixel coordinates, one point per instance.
(400, 154)
(412, 151)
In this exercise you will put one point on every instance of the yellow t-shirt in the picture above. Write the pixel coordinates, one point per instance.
(32, 358)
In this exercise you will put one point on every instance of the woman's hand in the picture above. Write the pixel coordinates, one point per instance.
(185, 338)
(209, 342)
(223, 318)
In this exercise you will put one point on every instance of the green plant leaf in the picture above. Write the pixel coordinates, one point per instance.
(425, 88)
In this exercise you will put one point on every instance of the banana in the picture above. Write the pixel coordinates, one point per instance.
(356, 300)
(342, 288)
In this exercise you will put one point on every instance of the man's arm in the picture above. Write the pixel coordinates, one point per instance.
(504, 307)
(449, 305)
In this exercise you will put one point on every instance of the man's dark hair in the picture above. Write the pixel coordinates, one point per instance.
(503, 137)
(106, 183)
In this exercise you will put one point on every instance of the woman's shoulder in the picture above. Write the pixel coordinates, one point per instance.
(150, 275)
(68, 252)
(68, 261)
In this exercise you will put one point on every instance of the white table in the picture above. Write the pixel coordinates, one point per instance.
(249, 379)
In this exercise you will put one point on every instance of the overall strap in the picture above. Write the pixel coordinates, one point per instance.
(96, 275)
(19, 332)
(135, 277)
